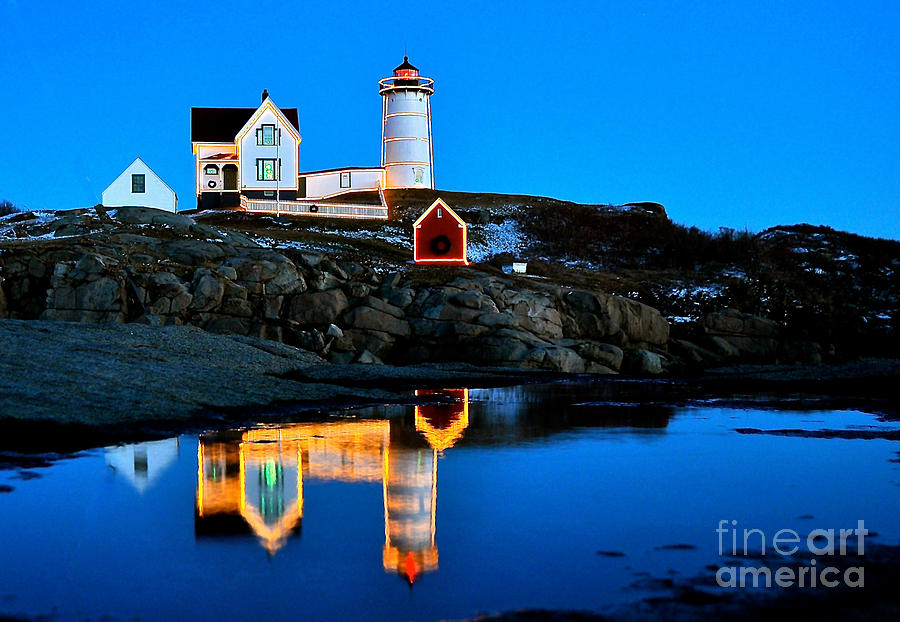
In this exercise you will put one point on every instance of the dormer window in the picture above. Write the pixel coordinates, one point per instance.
(268, 135)
(138, 184)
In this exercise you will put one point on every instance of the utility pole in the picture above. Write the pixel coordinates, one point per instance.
(277, 168)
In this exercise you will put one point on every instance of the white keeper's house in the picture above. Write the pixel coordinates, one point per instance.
(248, 158)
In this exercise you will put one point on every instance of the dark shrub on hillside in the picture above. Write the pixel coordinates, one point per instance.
(633, 238)
(6, 208)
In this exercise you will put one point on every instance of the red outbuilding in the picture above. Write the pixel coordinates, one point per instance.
(440, 236)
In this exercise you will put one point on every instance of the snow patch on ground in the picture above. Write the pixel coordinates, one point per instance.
(711, 290)
(31, 229)
(392, 235)
(495, 239)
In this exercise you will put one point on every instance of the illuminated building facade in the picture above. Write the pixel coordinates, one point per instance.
(406, 152)
(439, 236)
(248, 158)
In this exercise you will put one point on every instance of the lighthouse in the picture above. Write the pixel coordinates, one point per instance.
(406, 153)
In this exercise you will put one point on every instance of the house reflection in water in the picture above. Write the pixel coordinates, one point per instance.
(141, 464)
(252, 481)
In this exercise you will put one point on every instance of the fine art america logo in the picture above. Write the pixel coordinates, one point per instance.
(822, 544)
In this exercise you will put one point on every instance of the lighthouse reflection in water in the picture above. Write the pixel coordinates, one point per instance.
(251, 481)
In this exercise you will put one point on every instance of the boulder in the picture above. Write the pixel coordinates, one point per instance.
(60, 297)
(642, 362)
(227, 272)
(368, 318)
(37, 268)
(307, 339)
(474, 299)
(501, 347)
(555, 358)
(733, 322)
(286, 281)
(597, 368)
(741, 336)
(208, 291)
(150, 216)
(191, 252)
(321, 281)
(400, 297)
(384, 307)
(318, 307)
(496, 320)
(615, 319)
(446, 331)
(252, 269)
(342, 357)
(166, 284)
(693, 353)
(367, 358)
(377, 342)
(237, 307)
(272, 306)
(356, 289)
(535, 312)
(103, 294)
(605, 354)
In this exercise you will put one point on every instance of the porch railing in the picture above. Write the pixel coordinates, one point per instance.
(325, 209)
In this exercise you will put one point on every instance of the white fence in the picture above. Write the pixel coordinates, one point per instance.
(316, 208)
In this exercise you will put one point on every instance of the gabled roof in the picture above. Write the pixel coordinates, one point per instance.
(221, 125)
(128, 170)
(267, 104)
(439, 202)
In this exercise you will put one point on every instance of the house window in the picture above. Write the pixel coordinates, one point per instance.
(268, 135)
(345, 180)
(265, 169)
(138, 184)
(212, 169)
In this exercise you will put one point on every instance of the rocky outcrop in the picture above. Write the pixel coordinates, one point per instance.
(729, 336)
(140, 265)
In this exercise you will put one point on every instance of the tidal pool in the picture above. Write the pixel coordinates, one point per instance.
(540, 496)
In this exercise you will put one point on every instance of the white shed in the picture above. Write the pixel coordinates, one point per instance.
(139, 186)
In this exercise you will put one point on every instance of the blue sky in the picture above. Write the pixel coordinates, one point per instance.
(730, 114)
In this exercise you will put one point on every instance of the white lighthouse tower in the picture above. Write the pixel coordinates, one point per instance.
(406, 152)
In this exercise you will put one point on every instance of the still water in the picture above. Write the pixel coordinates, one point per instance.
(542, 496)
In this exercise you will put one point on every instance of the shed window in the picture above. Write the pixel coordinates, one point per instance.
(138, 184)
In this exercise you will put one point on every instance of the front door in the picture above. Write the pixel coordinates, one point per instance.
(230, 172)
